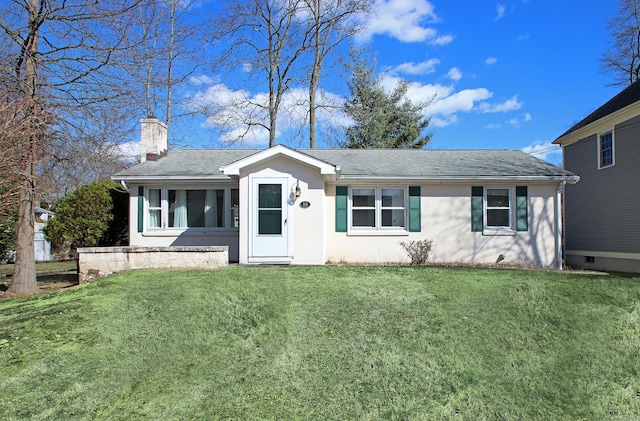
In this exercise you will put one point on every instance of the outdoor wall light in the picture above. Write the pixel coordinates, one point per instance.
(297, 192)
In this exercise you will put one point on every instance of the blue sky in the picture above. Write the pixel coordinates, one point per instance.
(505, 75)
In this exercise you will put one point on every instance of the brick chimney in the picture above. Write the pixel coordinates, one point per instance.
(153, 139)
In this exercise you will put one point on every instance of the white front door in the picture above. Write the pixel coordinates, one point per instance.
(270, 227)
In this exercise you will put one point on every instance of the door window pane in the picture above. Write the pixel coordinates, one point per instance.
(269, 221)
(269, 196)
(269, 209)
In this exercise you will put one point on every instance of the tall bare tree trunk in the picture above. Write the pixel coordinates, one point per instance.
(173, 5)
(24, 273)
(315, 71)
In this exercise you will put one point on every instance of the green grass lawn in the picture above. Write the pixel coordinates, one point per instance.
(316, 343)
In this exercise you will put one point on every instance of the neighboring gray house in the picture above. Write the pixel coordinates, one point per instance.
(602, 211)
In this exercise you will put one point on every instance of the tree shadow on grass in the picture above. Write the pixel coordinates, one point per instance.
(48, 282)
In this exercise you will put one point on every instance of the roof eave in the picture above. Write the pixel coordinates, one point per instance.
(177, 178)
(601, 125)
(572, 179)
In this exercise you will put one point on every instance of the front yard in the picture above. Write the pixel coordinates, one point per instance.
(326, 343)
(51, 276)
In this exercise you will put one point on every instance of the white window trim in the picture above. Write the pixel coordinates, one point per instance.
(378, 229)
(147, 209)
(165, 230)
(613, 149)
(497, 231)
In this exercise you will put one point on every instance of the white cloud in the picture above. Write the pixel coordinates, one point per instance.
(514, 122)
(129, 150)
(442, 40)
(509, 105)
(230, 111)
(200, 80)
(490, 60)
(544, 150)
(405, 20)
(455, 74)
(419, 92)
(422, 68)
(446, 102)
(500, 9)
(437, 121)
(527, 117)
(247, 67)
(464, 100)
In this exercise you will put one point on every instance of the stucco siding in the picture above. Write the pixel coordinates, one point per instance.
(446, 219)
(603, 209)
(307, 224)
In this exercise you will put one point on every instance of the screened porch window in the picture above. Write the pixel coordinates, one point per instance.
(192, 208)
(196, 208)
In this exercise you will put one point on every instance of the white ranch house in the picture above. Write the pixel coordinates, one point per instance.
(318, 206)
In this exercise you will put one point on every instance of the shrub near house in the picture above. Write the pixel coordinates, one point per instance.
(94, 215)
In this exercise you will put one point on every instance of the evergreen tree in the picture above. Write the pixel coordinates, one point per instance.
(94, 215)
(382, 119)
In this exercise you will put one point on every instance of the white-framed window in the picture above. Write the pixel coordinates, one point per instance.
(498, 208)
(169, 208)
(154, 208)
(378, 208)
(606, 149)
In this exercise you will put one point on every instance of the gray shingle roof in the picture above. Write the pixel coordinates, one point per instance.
(627, 96)
(380, 163)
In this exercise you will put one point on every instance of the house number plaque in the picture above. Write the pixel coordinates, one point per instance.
(305, 204)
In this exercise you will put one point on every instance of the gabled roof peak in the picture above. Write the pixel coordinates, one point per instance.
(234, 168)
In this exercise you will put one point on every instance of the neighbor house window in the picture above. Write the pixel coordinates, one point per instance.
(499, 209)
(606, 149)
(378, 208)
(192, 208)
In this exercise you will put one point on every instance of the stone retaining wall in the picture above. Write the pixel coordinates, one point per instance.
(96, 262)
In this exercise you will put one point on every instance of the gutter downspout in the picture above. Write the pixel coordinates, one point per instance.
(560, 218)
